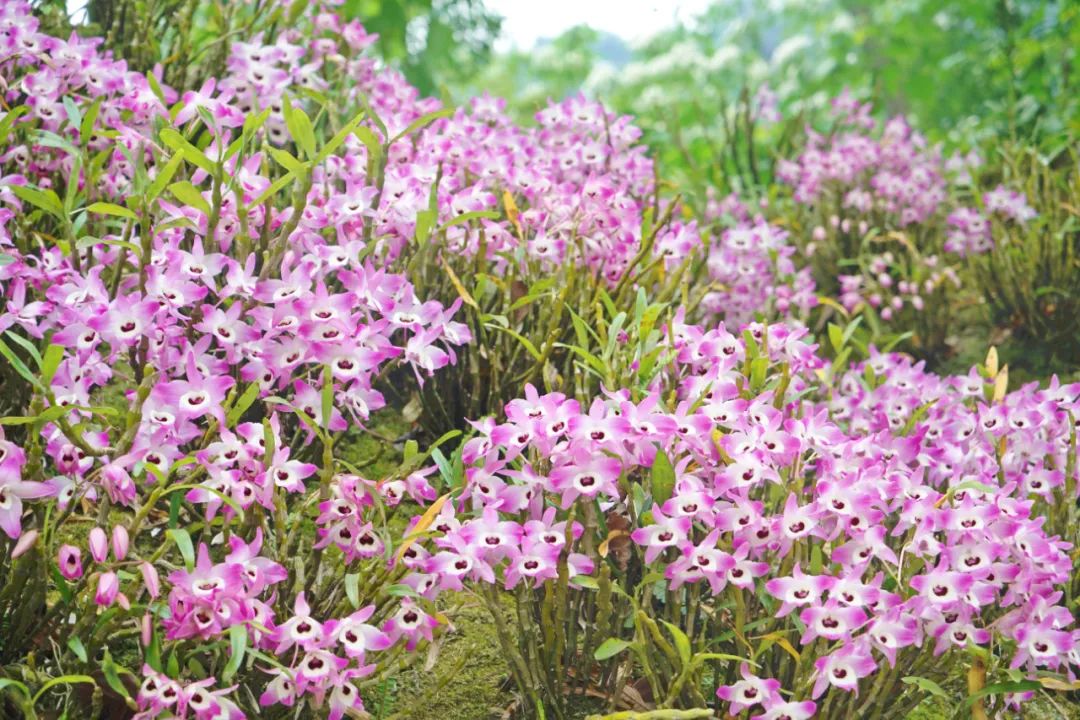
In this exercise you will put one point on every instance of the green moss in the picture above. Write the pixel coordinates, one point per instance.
(373, 453)
(469, 679)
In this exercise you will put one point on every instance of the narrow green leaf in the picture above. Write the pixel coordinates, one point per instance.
(86, 127)
(300, 128)
(682, 642)
(104, 208)
(925, 684)
(9, 120)
(1017, 686)
(179, 144)
(63, 680)
(242, 404)
(662, 478)
(45, 200)
(469, 217)
(164, 176)
(352, 589)
(183, 542)
(77, 647)
(238, 640)
(444, 467)
(189, 195)
(327, 396)
(19, 365)
(422, 122)
(610, 648)
(111, 671)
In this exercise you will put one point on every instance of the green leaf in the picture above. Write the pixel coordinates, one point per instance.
(327, 396)
(520, 338)
(425, 221)
(925, 684)
(77, 647)
(85, 242)
(371, 141)
(444, 467)
(242, 404)
(104, 208)
(63, 680)
(422, 122)
(352, 589)
(189, 195)
(682, 642)
(238, 639)
(179, 144)
(1017, 686)
(286, 159)
(111, 671)
(586, 581)
(19, 365)
(46, 200)
(610, 648)
(662, 478)
(300, 128)
(164, 176)
(469, 217)
(183, 542)
(8, 682)
(72, 110)
(339, 137)
(86, 127)
(9, 120)
(274, 188)
(26, 345)
(54, 354)
(400, 590)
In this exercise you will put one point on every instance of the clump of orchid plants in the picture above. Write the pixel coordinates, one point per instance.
(886, 221)
(202, 320)
(751, 528)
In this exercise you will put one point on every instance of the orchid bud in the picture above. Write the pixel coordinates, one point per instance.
(26, 541)
(147, 629)
(99, 545)
(820, 233)
(150, 577)
(107, 589)
(120, 542)
(70, 561)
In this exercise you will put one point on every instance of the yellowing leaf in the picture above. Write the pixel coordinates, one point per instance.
(1001, 383)
(1051, 683)
(456, 282)
(512, 211)
(992, 361)
(422, 525)
(604, 546)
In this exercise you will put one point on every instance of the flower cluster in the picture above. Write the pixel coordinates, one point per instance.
(201, 345)
(896, 474)
(891, 173)
(753, 266)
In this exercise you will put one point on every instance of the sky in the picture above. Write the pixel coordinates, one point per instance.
(527, 21)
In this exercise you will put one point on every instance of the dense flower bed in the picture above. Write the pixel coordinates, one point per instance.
(897, 515)
(206, 293)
